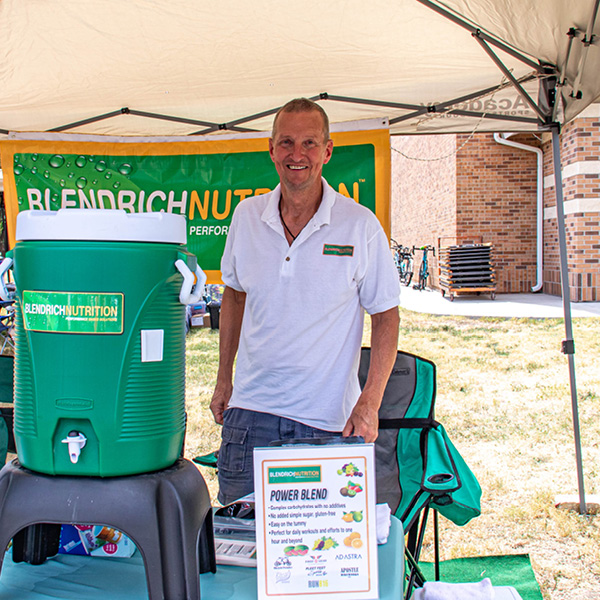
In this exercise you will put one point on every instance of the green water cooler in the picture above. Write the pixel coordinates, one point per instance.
(100, 340)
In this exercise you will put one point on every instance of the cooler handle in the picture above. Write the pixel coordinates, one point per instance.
(4, 267)
(192, 288)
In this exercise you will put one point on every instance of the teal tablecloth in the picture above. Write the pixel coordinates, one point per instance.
(90, 578)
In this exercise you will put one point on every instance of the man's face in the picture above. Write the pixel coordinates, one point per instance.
(299, 150)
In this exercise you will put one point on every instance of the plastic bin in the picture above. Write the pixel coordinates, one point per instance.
(214, 309)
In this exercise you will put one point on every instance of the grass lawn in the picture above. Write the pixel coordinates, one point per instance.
(504, 398)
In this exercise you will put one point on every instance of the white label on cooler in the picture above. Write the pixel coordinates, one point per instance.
(152, 345)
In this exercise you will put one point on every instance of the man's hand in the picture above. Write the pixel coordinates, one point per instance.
(220, 401)
(364, 419)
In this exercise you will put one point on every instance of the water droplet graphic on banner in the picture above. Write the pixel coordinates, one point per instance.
(62, 183)
(56, 161)
(16, 158)
(19, 169)
(125, 169)
(81, 183)
(71, 175)
(34, 170)
(108, 175)
(46, 174)
(34, 157)
(116, 185)
(80, 161)
(100, 166)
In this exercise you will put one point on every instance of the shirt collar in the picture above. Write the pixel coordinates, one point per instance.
(321, 217)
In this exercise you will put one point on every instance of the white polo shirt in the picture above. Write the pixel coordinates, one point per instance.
(303, 321)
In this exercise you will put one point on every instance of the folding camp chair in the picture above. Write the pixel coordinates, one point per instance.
(417, 466)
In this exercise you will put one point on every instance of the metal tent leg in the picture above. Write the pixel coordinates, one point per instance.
(568, 346)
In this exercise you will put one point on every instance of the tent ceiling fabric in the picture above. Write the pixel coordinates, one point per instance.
(215, 63)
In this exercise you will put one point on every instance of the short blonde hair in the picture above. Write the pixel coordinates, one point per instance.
(303, 105)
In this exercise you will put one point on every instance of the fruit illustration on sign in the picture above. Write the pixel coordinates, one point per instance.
(325, 543)
(299, 550)
(351, 489)
(353, 515)
(350, 470)
(353, 540)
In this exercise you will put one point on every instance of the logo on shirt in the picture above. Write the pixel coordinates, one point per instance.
(334, 250)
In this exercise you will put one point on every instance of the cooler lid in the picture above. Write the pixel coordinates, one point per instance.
(100, 225)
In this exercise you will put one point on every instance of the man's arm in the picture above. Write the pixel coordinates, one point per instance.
(230, 325)
(364, 419)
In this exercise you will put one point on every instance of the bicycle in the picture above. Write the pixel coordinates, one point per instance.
(424, 268)
(403, 258)
(7, 319)
(7, 327)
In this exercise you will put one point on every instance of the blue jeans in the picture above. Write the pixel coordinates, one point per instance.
(244, 430)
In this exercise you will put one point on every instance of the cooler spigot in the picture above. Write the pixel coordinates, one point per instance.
(76, 441)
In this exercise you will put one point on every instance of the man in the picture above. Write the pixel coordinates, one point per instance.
(300, 265)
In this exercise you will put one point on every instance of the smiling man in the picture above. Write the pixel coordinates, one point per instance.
(301, 265)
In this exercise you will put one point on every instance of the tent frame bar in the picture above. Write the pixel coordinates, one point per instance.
(416, 110)
(587, 40)
(477, 32)
(435, 108)
(149, 115)
(447, 107)
(232, 125)
(95, 119)
(511, 78)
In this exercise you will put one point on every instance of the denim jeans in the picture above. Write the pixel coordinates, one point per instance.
(244, 430)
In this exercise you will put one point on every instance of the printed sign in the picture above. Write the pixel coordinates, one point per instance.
(202, 180)
(315, 522)
(73, 312)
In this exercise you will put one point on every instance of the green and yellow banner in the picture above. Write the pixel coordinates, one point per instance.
(203, 180)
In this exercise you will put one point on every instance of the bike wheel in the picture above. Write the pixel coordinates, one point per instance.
(404, 273)
(423, 275)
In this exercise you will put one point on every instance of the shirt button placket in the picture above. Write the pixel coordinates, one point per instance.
(286, 265)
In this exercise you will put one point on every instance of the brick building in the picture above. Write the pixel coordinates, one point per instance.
(449, 189)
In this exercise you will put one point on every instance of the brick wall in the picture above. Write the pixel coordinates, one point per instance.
(481, 190)
(478, 191)
(423, 192)
(496, 200)
(580, 156)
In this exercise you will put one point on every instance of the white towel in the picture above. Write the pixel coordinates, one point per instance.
(383, 522)
(438, 590)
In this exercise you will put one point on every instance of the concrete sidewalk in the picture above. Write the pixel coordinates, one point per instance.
(538, 306)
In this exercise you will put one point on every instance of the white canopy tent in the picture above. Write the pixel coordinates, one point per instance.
(105, 66)
(158, 67)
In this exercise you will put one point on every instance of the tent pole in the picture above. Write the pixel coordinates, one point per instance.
(568, 345)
